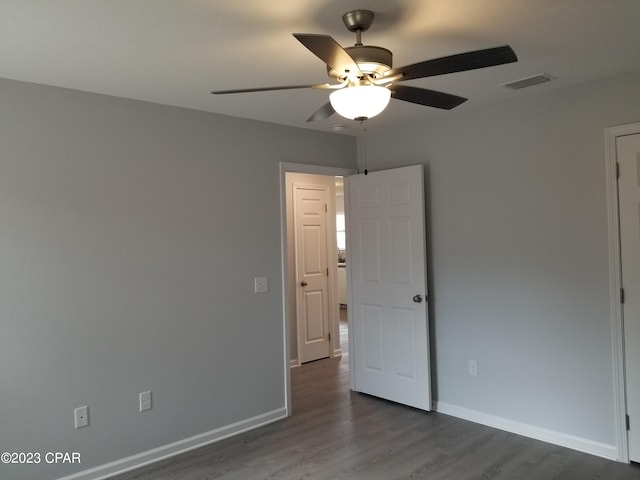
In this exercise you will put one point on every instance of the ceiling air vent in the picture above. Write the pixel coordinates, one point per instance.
(529, 81)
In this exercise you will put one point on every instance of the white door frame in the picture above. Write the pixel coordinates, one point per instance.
(615, 285)
(296, 168)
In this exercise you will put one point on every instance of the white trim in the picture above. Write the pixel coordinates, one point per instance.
(294, 362)
(315, 169)
(351, 348)
(297, 168)
(615, 284)
(550, 436)
(176, 448)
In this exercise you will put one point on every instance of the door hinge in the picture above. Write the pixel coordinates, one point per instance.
(330, 340)
(617, 170)
(628, 423)
(622, 295)
(327, 271)
(325, 208)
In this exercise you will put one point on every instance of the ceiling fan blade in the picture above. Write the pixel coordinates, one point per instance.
(322, 113)
(329, 51)
(262, 89)
(461, 62)
(422, 96)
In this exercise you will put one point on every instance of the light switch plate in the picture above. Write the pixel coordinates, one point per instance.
(261, 284)
(145, 401)
(473, 368)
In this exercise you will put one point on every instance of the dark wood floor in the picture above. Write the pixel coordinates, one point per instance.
(335, 434)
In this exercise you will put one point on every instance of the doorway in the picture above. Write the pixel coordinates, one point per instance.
(291, 357)
(311, 229)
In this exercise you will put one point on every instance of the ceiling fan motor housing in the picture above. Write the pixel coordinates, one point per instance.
(372, 60)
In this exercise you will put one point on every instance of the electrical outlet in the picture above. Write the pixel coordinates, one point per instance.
(260, 284)
(145, 401)
(473, 368)
(81, 415)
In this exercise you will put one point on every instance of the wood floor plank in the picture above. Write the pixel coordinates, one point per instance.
(335, 434)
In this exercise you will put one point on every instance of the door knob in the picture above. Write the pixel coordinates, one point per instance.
(303, 283)
(417, 298)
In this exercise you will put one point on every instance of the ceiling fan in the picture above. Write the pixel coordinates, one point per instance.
(366, 79)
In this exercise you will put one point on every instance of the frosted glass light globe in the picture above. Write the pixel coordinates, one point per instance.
(360, 102)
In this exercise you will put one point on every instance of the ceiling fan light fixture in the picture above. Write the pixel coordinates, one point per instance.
(360, 102)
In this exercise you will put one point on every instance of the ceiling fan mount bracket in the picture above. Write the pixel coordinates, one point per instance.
(358, 20)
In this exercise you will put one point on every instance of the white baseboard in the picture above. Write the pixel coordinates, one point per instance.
(166, 451)
(294, 363)
(550, 436)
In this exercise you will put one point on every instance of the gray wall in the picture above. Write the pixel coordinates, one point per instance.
(130, 234)
(518, 253)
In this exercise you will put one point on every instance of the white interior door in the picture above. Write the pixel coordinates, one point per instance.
(628, 153)
(312, 272)
(387, 305)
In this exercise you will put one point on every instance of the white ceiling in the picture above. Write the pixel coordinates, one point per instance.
(175, 52)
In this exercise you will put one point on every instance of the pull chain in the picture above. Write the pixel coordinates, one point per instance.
(364, 146)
